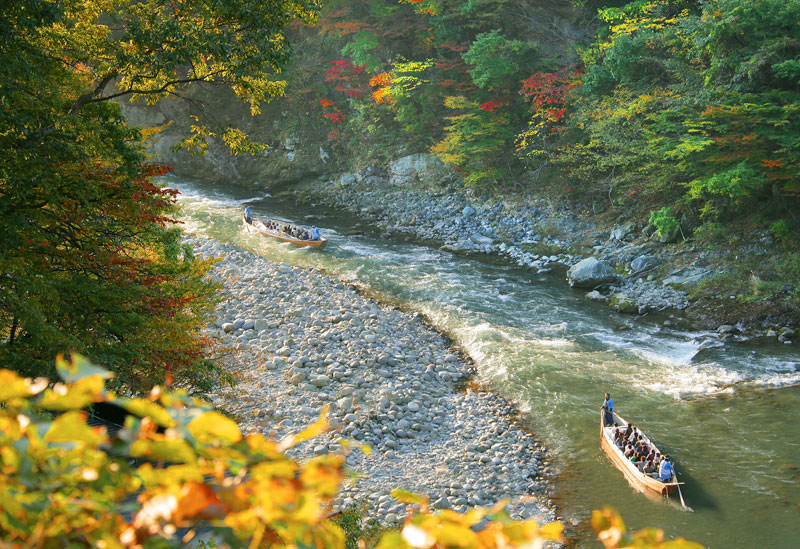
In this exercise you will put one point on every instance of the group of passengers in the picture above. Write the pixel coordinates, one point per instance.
(636, 448)
(285, 228)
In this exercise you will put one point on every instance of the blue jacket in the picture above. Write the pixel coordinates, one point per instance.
(665, 471)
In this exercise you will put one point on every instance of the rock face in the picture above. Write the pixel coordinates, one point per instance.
(590, 273)
(416, 168)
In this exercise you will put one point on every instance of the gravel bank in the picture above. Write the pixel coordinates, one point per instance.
(301, 340)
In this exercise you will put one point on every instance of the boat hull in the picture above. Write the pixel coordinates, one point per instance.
(258, 227)
(635, 478)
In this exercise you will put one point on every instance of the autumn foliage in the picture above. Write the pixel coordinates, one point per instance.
(180, 474)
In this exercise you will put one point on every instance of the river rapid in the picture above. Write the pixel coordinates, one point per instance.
(727, 414)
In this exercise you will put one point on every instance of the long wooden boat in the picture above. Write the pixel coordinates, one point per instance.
(639, 480)
(258, 227)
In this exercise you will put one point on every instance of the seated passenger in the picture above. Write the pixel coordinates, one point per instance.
(628, 451)
(315, 233)
(629, 430)
(650, 467)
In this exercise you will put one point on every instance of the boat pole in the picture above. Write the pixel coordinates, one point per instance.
(679, 491)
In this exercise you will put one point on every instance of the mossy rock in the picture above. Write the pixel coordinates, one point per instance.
(623, 303)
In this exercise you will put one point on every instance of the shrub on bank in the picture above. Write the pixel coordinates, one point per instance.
(181, 474)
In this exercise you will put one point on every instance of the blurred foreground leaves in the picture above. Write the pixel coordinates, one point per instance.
(179, 473)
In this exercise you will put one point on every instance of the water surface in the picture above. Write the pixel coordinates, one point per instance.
(727, 414)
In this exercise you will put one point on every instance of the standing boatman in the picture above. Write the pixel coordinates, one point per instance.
(608, 410)
(665, 470)
(247, 217)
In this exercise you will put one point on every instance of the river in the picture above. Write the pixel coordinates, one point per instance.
(729, 415)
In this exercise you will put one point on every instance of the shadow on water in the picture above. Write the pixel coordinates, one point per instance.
(694, 494)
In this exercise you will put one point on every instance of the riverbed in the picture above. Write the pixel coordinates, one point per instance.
(726, 413)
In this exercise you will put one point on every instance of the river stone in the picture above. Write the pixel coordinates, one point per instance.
(481, 240)
(621, 232)
(467, 212)
(623, 303)
(590, 273)
(228, 327)
(248, 324)
(686, 277)
(594, 295)
(260, 324)
(644, 263)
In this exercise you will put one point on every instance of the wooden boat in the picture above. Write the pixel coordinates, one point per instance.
(258, 227)
(639, 480)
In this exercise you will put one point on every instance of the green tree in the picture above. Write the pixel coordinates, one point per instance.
(476, 142)
(495, 59)
(89, 257)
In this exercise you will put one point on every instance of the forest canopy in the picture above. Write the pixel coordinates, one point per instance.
(90, 258)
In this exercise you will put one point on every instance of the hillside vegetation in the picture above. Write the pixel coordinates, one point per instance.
(678, 114)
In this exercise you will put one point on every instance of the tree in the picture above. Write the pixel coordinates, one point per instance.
(476, 140)
(495, 60)
(89, 257)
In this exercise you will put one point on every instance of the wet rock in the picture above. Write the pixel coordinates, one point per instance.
(594, 295)
(590, 273)
(623, 303)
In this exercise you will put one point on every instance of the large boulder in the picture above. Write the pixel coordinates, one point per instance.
(591, 273)
(417, 168)
(644, 263)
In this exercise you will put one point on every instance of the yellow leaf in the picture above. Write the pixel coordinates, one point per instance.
(552, 531)
(174, 474)
(76, 395)
(13, 386)
(72, 427)
(393, 540)
(313, 430)
(176, 450)
(212, 427)
(405, 496)
(145, 408)
(455, 535)
(79, 367)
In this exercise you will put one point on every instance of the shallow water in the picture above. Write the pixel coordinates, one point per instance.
(727, 414)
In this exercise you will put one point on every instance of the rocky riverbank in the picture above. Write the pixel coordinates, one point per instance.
(299, 340)
(625, 266)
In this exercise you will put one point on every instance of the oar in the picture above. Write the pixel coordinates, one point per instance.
(678, 484)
